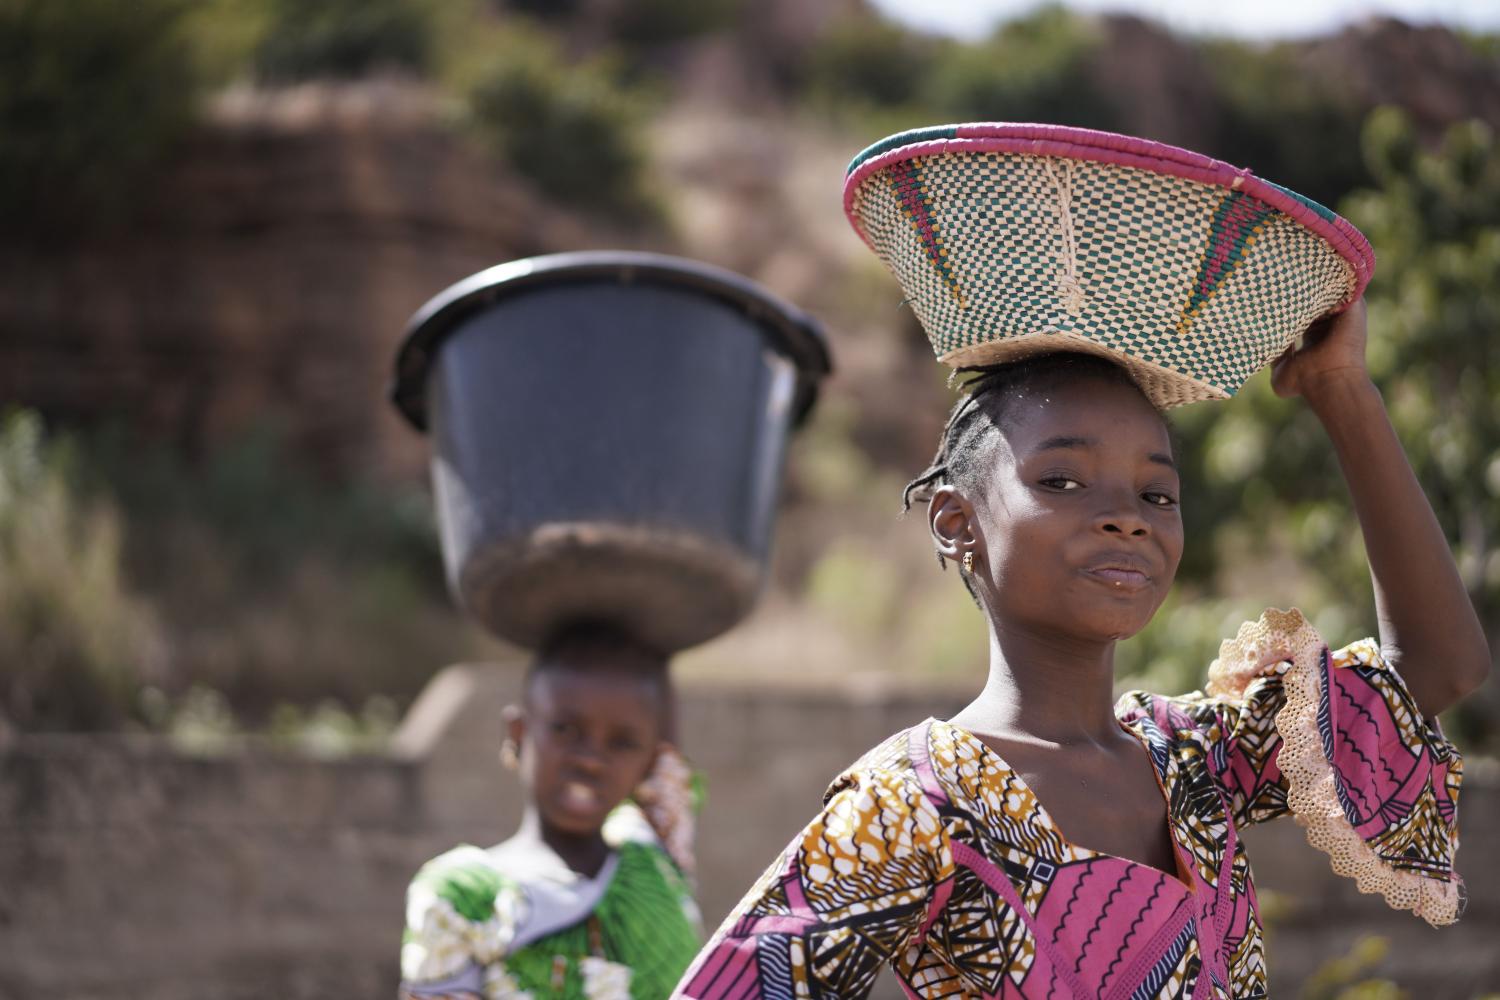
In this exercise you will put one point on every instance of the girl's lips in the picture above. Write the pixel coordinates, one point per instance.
(578, 796)
(1120, 577)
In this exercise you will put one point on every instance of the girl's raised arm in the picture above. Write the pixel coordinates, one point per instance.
(1428, 629)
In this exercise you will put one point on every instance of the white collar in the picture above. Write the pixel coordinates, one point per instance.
(556, 897)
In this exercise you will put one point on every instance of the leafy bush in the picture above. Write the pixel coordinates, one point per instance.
(1349, 976)
(202, 721)
(272, 584)
(870, 60)
(1282, 122)
(76, 644)
(253, 491)
(137, 588)
(93, 93)
(573, 130)
(344, 38)
(1033, 69)
(655, 22)
(1263, 488)
(1435, 220)
(547, 10)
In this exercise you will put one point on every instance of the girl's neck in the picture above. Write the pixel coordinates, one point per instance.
(1045, 689)
(582, 853)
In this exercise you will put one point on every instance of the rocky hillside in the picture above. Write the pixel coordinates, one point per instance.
(272, 263)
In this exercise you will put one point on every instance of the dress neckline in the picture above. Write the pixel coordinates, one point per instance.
(1185, 876)
(555, 896)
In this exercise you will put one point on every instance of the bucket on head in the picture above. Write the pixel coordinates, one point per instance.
(608, 434)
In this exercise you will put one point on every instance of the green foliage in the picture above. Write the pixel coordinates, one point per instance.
(344, 38)
(1434, 310)
(251, 490)
(1485, 44)
(329, 729)
(869, 60)
(137, 588)
(1283, 122)
(856, 587)
(547, 10)
(830, 466)
(1266, 512)
(1172, 654)
(76, 644)
(93, 94)
(202, 722)
(273, 584)
(1346, 977)
(573, 128)
(1033, 69)
(657, 22)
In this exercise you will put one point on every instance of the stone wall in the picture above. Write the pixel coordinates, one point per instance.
(131, 869)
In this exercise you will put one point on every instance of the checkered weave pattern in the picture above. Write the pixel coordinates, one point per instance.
(1012, 240)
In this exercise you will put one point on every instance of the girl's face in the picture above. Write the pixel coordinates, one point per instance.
(1077, 531)
(586, 740)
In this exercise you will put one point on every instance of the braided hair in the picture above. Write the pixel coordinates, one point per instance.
(973, 428)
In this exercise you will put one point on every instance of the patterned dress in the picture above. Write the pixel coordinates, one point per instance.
(931, 855)
(513, 922)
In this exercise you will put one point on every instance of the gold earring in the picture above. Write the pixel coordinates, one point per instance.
(510, 757)
(969, 562)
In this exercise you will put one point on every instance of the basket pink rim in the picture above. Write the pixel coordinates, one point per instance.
(1128, 151)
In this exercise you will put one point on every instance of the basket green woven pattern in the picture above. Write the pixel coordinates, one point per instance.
(1007, 244)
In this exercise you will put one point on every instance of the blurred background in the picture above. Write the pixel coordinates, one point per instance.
(220, 589)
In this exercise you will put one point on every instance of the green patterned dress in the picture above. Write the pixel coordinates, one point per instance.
(513, 922)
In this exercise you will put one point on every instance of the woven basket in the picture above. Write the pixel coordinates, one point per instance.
(1011, 240)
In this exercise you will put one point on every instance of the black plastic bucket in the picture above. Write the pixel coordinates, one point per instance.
(608, 433)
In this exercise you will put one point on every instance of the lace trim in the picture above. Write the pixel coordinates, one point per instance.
(1285, 642)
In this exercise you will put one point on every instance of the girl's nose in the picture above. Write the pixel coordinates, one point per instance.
(1121, 518)
(588, 758)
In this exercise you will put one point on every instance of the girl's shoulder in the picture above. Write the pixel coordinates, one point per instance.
(463, 910)
(893, 765)
(468, 877)
(467, 885)
(933, 774)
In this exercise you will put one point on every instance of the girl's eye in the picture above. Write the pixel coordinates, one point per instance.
(1062, 483)
(564, 729)
(1160, 499)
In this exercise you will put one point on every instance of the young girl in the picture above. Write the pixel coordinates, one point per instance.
(588, 899)
(1047, 841)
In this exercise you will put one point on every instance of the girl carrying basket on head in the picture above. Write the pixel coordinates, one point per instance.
(1049, 841)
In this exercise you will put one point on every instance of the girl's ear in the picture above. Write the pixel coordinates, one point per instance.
(951, 519)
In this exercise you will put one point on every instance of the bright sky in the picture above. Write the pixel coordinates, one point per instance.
(1258, 19)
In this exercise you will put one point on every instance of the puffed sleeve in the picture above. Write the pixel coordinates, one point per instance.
(461, 916)
(1335, 738)
(850, 892)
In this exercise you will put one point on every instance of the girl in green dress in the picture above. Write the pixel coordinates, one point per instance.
(591, 897)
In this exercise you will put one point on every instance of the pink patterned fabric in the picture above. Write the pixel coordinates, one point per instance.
(933, 857)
